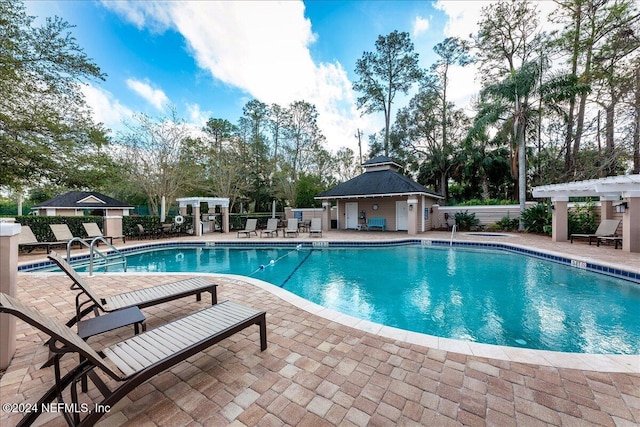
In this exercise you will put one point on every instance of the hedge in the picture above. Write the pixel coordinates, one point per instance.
(40, 225)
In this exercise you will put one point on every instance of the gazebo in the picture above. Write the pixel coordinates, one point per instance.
(381, 192)
(618, 195)
(76, 203)
(206, 218)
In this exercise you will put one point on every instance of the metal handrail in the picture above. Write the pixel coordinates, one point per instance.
(453, 233)
(94, 253)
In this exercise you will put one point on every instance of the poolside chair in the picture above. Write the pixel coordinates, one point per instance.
(130, 362)
(249, 228)
(28, 240)
(87, 300)
(315, 229)
(94, 231)
(61, 232)
(292, 227)
(142, 232)
(607, 228)
(272, 228)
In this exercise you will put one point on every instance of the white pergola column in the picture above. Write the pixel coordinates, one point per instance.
(631, 222)
(412, 206)
(326, 215)
(559, 219)
(606, 206)
(9, 236)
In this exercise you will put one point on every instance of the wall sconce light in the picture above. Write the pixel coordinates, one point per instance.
(431, 210)
(410, 207)
(621, 208)
(553, 207)
(324, 207)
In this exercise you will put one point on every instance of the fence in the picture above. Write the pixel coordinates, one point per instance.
(486, 214)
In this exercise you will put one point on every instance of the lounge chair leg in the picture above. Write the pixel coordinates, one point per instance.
(263, 332)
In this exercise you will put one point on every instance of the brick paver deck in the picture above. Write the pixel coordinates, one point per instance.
(317, 372)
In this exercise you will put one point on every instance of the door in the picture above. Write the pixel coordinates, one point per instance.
(351, 212)
(402, 216)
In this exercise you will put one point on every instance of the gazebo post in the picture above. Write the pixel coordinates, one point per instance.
(412, 206)
(326, 215)
(606, 206)
(631, 222)
(559, 219)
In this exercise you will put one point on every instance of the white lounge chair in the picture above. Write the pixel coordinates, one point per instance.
(272, 228)
(27, 240)
(94, 231)
(249, 228)
(607, 228)
(292, 227)
(315, 229)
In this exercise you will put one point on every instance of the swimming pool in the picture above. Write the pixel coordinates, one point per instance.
(478, 295)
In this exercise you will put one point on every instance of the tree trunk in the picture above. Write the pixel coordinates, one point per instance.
(610, 161)
(636, 131)
(569, 160)
(583, 98)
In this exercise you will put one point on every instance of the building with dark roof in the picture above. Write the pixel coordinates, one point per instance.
(77, 203)
(382, 192)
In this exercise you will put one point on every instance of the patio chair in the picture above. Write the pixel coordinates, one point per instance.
(607, 228)
(94, 231)
(272, 228)
(130, 362)
(292, 227)
(249, 228)
(143, 233)
(87, 300)
(61, 232)
(315, 229)
(28, 240)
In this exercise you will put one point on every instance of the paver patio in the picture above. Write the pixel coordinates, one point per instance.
(319, 372)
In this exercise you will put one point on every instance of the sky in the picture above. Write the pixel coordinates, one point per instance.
(207, 59)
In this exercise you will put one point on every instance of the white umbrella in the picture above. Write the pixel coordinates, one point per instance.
(163, 210)
(273, 209)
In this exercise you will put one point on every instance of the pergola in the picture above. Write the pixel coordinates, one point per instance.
(212, 202)
(621, 193)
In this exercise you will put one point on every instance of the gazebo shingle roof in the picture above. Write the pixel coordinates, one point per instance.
(377, 183)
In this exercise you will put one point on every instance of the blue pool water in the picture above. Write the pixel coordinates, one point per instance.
(487, 296)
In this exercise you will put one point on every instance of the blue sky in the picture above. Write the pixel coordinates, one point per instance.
(208, 58)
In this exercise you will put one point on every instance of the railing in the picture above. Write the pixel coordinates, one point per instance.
(113, 257)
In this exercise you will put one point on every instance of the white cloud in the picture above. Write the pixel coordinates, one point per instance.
(106, 109)
(261, 48)
(197, 116)
(420, 26)
(155, 97)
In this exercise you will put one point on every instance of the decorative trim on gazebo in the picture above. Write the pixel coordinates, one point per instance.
(610, 189)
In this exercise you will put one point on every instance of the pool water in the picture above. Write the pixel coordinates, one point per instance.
(487, 296)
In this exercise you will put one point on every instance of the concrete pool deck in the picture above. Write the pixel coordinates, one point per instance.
(325, 369)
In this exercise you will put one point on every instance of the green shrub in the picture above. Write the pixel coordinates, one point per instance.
(507, 224)
(582, 219)
(537, 219)
(466, 221)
